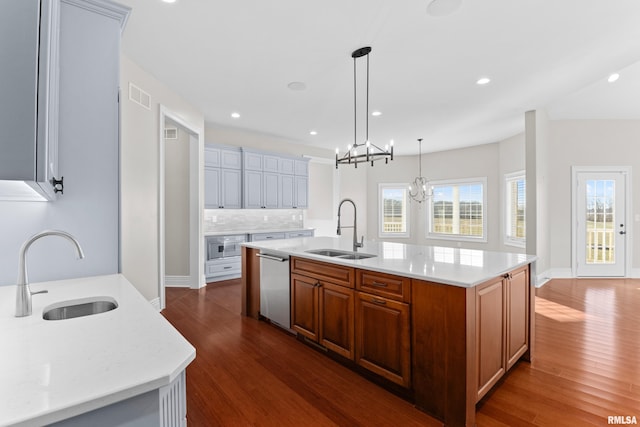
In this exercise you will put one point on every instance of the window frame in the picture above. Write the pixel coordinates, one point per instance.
(458, 237)
(507, 239)
(398, 186)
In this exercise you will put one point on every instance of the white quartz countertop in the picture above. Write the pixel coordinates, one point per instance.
(275, 230)
(55, 369)
(451, 266)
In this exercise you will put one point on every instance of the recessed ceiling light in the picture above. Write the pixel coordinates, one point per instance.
(297, 86)
(235, 115)
(613, 77)
(169, 1)
(313, 132)
(376, 113)
(483, 81)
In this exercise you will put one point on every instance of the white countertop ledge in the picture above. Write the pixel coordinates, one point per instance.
(451, 266)
(56, 369)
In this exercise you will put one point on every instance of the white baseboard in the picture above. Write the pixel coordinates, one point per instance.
(177, 281)
(155, 303)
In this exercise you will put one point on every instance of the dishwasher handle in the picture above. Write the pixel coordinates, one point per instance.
(272, 257)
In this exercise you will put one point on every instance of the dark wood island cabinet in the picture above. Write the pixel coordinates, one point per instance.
(446, 345)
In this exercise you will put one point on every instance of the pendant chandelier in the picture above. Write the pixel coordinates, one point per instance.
(419, 190)
(364, 151)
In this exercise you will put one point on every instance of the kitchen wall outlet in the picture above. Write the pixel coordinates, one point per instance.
(214, 218)
(265, 218)
(637, 217)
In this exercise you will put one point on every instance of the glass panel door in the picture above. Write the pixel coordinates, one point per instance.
(601, 224)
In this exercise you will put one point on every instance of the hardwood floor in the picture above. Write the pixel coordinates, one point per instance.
(586, 366)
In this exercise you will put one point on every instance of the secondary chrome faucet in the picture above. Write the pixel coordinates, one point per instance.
(356, 244)
(23, 292)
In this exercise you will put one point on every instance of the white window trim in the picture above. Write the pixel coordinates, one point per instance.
(511, 241)
(381, 233)
(485, 210)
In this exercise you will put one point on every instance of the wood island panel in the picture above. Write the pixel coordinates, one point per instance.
(250, 298)
(443, 369)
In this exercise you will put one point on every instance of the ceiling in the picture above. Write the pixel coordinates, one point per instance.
(239, 56)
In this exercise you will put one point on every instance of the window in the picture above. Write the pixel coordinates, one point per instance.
(457, 210)
(393, 200)
(515, 204)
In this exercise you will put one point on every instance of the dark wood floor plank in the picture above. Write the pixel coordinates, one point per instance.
(247, 373)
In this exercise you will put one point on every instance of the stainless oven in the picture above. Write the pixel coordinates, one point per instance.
(217, 247)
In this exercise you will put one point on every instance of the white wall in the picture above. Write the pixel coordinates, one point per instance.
(140, 133)
(177, 203)
(321, 213)
(88, 160)
(588, 143)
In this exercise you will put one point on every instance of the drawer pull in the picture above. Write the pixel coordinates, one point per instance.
(378, 301)
(228, 267)
(380, 285)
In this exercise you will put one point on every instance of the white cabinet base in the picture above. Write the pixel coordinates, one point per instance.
(164, 407)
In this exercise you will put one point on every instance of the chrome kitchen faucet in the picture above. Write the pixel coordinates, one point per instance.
(356, 244)
(23, 293)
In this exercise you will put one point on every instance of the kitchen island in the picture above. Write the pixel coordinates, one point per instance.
(444, 325)
(122, 366)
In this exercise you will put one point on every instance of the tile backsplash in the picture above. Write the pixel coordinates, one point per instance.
(251, 219)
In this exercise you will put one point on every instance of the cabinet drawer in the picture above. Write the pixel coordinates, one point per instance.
(386, 285)
(266, 236)
(222, 267)
(344, 276)
(301, 233)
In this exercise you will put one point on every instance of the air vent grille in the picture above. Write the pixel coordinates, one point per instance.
(170, 133)
(139, 96)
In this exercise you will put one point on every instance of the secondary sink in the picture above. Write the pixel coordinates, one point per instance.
(78, 308)
(333, 253)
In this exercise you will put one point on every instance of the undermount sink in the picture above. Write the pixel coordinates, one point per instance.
(357, 256)
(328, 252)
(79, 308)
(333, 253)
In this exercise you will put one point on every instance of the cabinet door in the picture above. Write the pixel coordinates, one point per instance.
(231, 188)
(270, 163)
(304, 306)
(212, 188)
(517, 315)
(302, 168)
(336, 319)
(252, 189)
(301, 192)
(286, 191)
(230, 159)
(382, 337)
(270, 190)
(252, 161)
(490, 332)
(211, 157)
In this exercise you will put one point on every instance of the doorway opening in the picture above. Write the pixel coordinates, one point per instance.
(600, 234)
(180, 254)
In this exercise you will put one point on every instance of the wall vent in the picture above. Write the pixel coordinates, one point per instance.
(139, 96)
(170, 133)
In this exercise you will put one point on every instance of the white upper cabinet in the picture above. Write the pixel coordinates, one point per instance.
(29, 34)
(222, 178)
(253, 179)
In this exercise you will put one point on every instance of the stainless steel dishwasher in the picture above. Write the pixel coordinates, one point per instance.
(275, 293)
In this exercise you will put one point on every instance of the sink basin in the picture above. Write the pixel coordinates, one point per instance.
(334, 253)
(327, 252)
(356, 256)
(78, 308)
